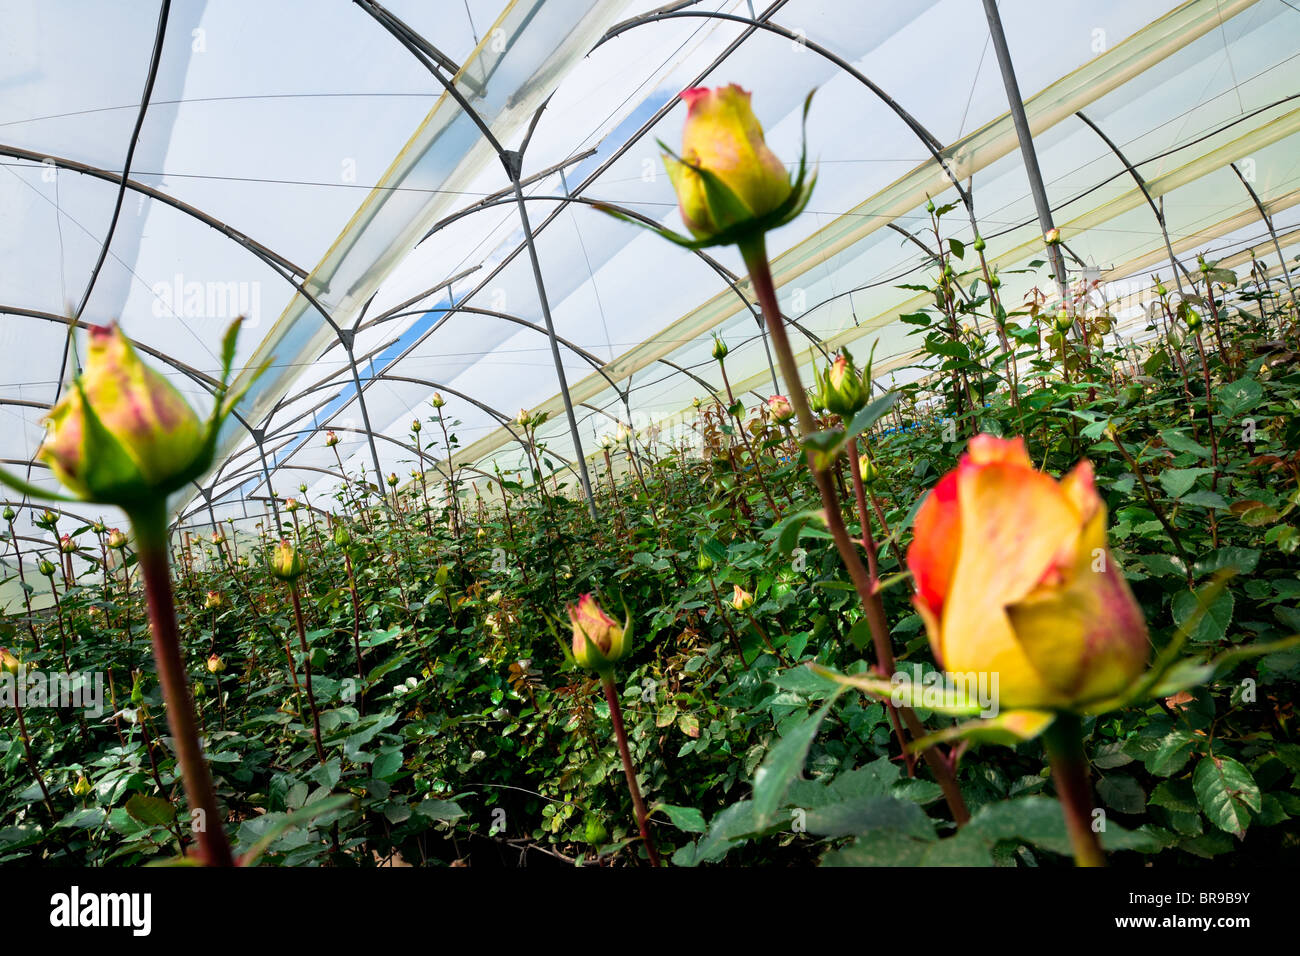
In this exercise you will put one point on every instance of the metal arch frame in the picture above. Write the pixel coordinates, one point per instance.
(330, 381)
(510, 159)
(286, 429)
(1016, 105)
(652, 17)
(1157, 210)
(278, 264)
(250, 471)
(751, 24)
(708, 260)
(1268, 222)
(512, 162)
(201, 378)
(408, 37)
(160, 36)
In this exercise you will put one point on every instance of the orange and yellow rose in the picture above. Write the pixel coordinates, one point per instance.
(1013, 577)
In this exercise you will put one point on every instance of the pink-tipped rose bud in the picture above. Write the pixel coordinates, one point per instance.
(598, 641)
(214, 600)
(67, 545)
(1052, 237)
(138, 438)
(723, 137)
(1013, 578)
(116, 539)
(331, 439)
(781, 409)
(215, 664)
(741, 599)
(437, 401)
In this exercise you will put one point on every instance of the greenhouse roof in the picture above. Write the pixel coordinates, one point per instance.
(345, 175)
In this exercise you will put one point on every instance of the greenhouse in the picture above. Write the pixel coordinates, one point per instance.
(723, 433)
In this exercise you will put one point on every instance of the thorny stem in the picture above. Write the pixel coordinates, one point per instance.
(306, 667)
(150, 526)
(755, 255)
(620, 735)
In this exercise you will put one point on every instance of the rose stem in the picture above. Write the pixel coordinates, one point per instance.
(620, 735)
(755, 256)
(306, 668)
(150, 525)
(1064, 741)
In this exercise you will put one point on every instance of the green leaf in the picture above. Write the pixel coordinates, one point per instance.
(868, 416)
(1226, 792)
(1178, 481)
(1122, 794)
(442, 811)
(152, 811)
(1238, 397)
(1213, 624)
(688, 819)
(874, 813)
(783, 764)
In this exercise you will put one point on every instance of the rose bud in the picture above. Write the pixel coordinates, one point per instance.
(720, 349)
(598, 641)
(331, 439)
(116, 539)
(781, 409)
(623, 434)
(47, 519)
(844, 390)
(217, 537)
(703, 562)
(215, 664)
(741, 599)
(438, 401)
(45, 568)
(291, 505)
(416, 426)
(67, 545)
(1013, 578)
(342, 537)
(123, 434)
(98, 527)
(1052, 237)
(302, 489)
(523, 419)
(82, 787)
(867, 470)
(9, 513)
(726, 176)
(284, 561)
(214, 600)
(392, 479)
